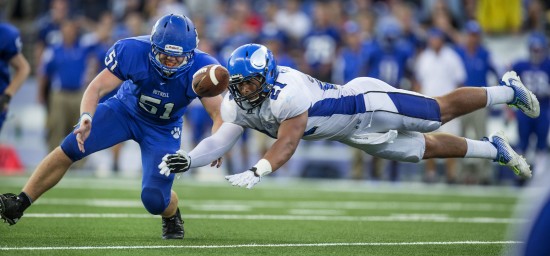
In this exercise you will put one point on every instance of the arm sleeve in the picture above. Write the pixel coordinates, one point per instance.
(216, 145)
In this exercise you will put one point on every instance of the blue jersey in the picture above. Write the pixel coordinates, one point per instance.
(350, 65)
(320, 46)
(536, 77)
(147, 109)
(388, 65)
(10, 45)
(66, 66)
(144, 92)
(478, 65)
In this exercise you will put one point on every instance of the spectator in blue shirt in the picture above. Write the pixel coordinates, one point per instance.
(535, 74)
(65, 66)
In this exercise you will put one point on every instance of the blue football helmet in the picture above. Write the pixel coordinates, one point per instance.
(251, 61)
(173, 35)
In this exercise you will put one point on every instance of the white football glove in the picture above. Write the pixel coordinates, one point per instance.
(248, 178)
(175, 163)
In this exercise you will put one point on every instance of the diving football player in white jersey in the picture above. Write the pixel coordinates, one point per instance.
(365, 113)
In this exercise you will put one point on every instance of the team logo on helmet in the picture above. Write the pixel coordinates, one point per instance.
(173, 49)
(258, 58)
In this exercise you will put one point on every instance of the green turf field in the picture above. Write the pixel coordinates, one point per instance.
(89, 216)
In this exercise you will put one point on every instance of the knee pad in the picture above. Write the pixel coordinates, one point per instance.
(153, 200)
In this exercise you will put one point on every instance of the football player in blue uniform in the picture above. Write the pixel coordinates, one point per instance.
(366, 113)
(10, 55)
(535, 73)
(156, 73)
(535, 210)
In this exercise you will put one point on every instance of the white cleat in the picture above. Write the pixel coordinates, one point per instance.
(524, 99)
(507, 156)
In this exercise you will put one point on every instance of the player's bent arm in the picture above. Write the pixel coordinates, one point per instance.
(216, 145)
(288, 137)
(212, 106)
(102, 84)
(22, 71)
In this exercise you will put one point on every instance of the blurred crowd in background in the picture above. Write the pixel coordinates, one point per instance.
(429, 46)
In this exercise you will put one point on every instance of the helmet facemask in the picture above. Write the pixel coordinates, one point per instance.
(173, 36)
(251, 64)
(254, 98)
(169, 71)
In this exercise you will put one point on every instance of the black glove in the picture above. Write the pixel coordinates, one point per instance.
(4, 101)
(175, 163)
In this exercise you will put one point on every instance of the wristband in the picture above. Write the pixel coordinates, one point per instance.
(85, 116)
(263, 167)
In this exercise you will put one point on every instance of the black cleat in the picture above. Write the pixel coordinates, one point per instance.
(9, 208)
(172, 228)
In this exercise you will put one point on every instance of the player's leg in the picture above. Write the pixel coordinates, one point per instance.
(388, 108)
(496, 148)
(415, 146)
(462, 101)
(107, 130)
(47, 174)
(157, 195)
(465, 100)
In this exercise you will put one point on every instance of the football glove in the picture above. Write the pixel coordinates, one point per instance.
(4, 101)
(248, 178)
(175, 163)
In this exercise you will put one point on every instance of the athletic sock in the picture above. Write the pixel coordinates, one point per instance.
(25, 201)
(499, 95)
(480, 149)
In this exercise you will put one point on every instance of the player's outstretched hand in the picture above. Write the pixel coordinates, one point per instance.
(83, 129)
(175, 163)
(247, 178)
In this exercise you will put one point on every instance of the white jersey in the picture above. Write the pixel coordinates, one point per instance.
(293, 94)
(335, 112)
(365, 113)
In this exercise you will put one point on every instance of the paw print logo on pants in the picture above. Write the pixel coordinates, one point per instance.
(176, 132)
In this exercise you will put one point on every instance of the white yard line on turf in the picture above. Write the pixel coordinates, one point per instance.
(245, 205)
(303, 186)
(252, 245)
(391, 218)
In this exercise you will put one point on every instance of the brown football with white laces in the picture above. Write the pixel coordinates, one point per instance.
(210, 80)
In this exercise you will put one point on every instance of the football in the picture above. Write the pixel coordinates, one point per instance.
(210, 80)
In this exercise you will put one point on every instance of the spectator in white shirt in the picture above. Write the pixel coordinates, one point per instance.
(439, 70)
